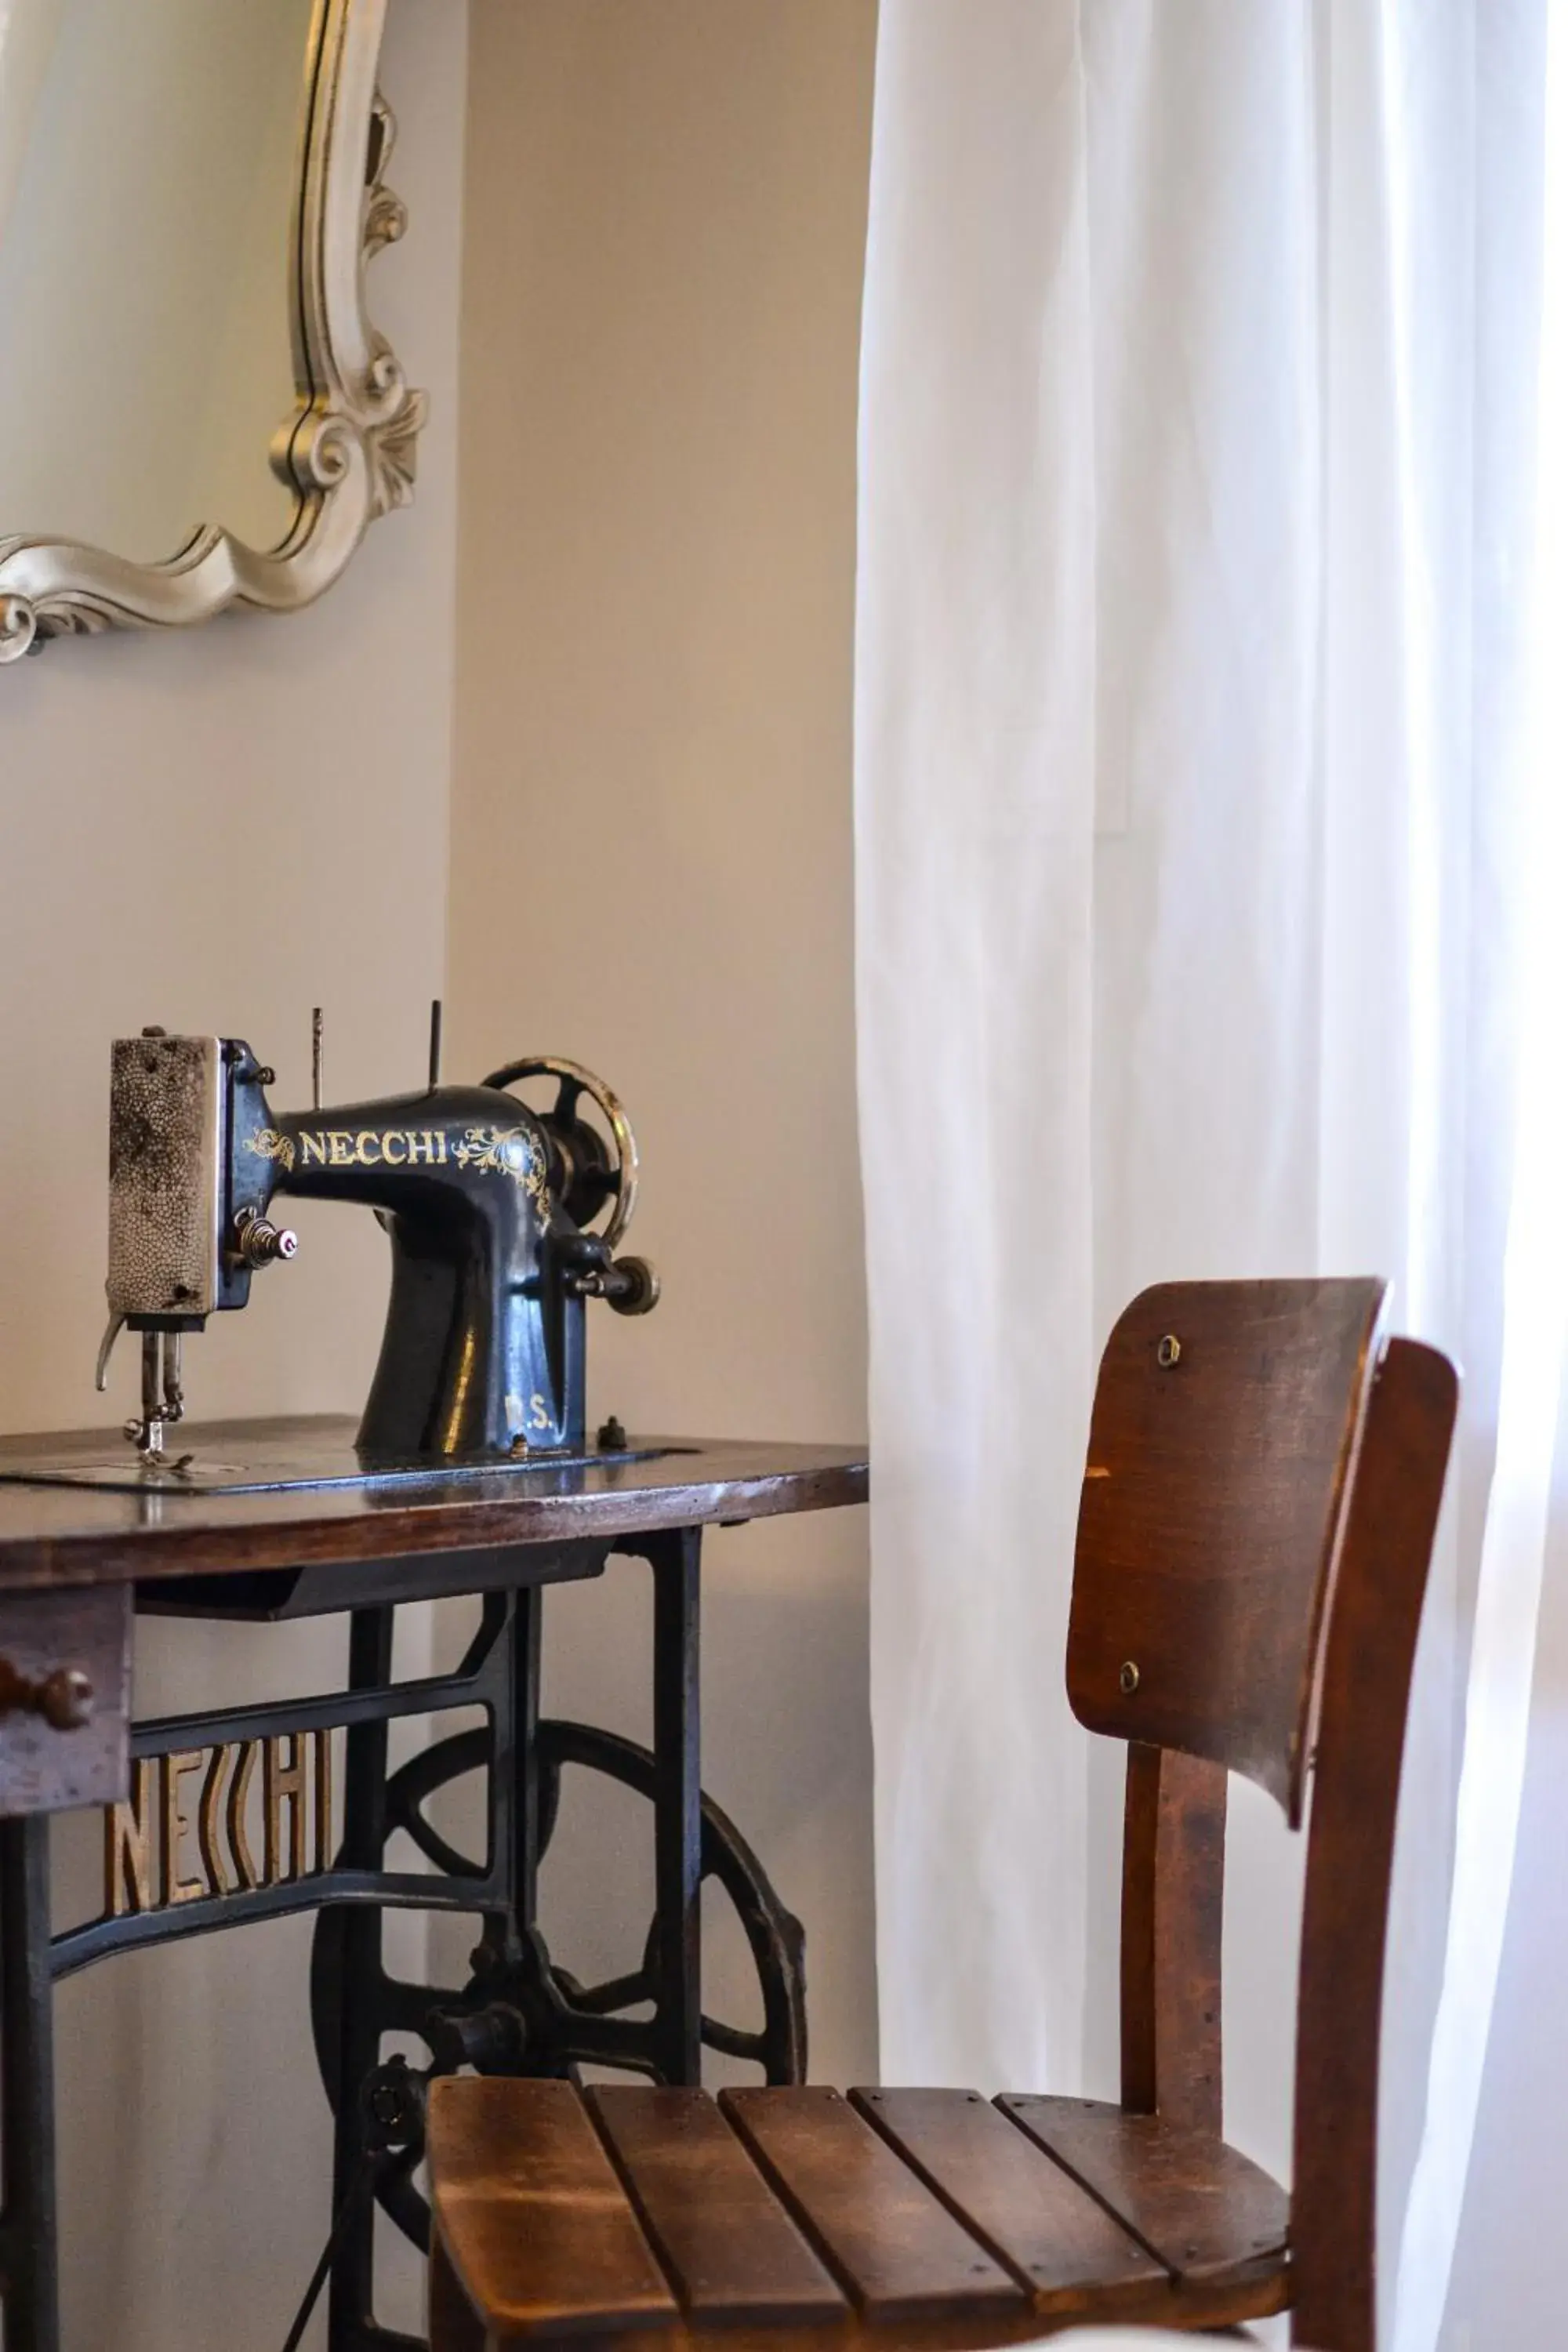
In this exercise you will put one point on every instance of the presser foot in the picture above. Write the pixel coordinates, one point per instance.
(162, 1406)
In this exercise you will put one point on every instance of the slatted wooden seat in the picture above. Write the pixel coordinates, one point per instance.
(1258, 1515)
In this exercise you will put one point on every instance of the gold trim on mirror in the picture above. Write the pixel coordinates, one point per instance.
(347, 451)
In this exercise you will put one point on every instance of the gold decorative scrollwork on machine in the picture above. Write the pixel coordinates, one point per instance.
(488, 1150)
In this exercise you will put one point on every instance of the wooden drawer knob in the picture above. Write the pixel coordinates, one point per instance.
(64, 1699)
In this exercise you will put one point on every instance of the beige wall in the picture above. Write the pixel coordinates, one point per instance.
(651, 825)
(216, 832)
(650, 870)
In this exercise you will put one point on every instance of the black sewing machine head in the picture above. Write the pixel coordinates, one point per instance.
(489, 1206)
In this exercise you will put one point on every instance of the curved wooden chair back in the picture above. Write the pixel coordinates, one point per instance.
(1226, 1421)
(1260, 1504)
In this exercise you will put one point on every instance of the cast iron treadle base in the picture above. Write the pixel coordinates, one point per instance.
(518, 2012)
(523, 2014)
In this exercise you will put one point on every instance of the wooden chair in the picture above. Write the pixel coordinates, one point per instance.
(1258, 1515)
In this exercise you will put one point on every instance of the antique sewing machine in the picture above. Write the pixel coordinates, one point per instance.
(488, 1205)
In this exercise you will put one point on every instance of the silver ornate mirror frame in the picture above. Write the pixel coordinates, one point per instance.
(347, 451)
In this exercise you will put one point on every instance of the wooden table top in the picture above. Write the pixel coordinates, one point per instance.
(53, 1535)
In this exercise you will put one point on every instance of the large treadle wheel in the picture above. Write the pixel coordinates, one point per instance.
(555, 2021)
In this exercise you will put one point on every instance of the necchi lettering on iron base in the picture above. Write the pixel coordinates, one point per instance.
(163, 1844)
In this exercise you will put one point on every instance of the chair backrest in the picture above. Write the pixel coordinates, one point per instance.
(1225, 1418)
(1259, 1509)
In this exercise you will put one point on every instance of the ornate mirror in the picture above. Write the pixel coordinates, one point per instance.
(194, 411)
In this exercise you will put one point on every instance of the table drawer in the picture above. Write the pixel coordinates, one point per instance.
(65, 1698)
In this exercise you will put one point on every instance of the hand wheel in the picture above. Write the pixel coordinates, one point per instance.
(591, 1177)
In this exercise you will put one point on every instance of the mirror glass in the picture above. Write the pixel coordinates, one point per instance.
(151, 153)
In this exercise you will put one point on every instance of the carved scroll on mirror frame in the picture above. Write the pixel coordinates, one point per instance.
(343, 453)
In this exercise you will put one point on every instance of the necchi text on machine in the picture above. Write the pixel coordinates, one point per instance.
(488, 1205)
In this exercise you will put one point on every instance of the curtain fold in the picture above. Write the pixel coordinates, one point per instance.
(1197, 835)
(973, 910)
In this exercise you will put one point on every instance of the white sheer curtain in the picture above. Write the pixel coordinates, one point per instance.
(1203, 854)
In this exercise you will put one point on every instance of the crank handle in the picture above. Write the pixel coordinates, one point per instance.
(629, 1285)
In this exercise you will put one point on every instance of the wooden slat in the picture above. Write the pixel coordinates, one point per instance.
(1200, 2206)
(535, 2224)
(1029, 2214)
(731, 2252)
(892, 2243)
